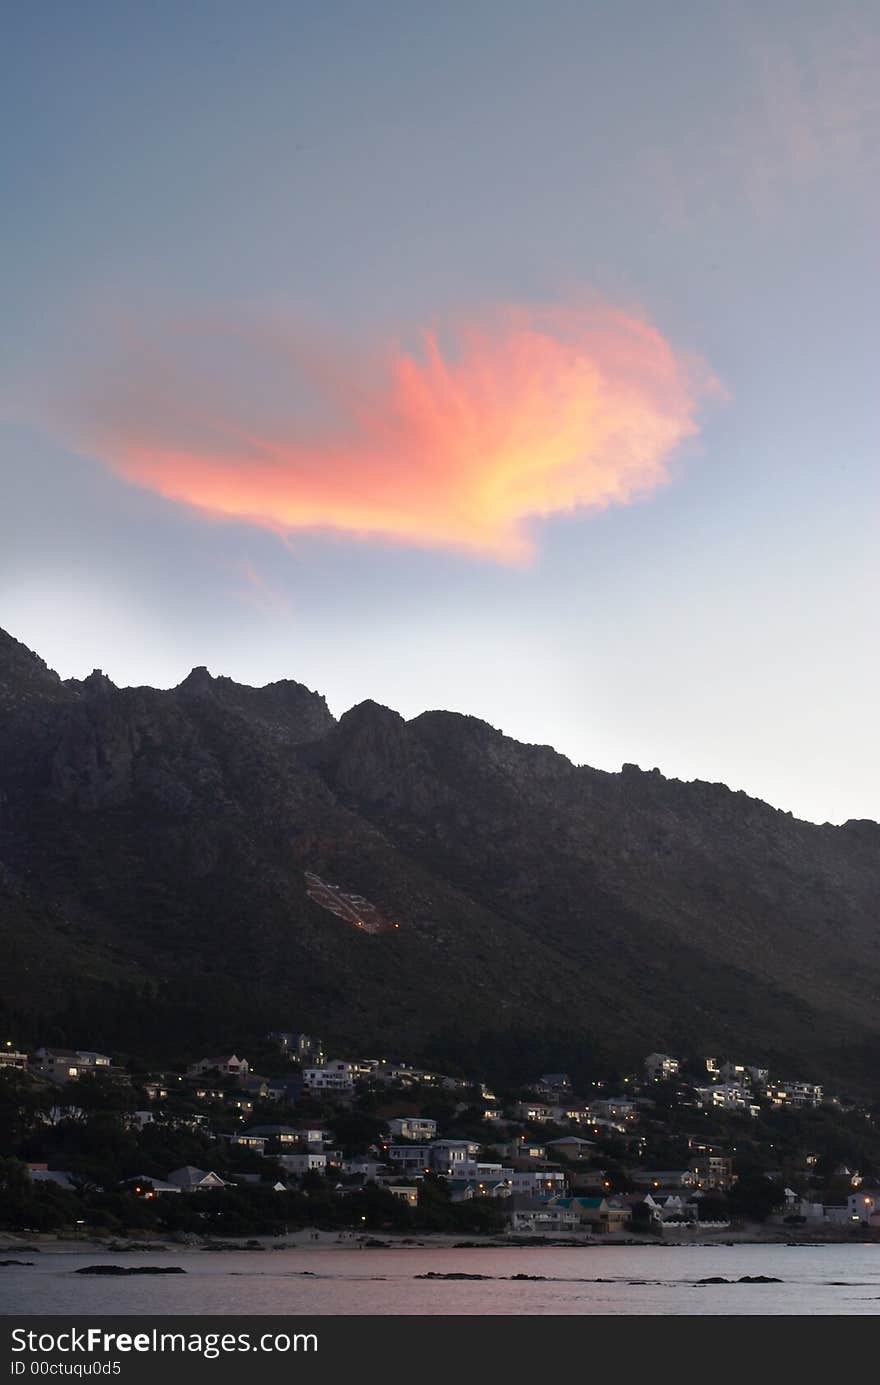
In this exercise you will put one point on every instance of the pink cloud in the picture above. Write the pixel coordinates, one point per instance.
(504, 417)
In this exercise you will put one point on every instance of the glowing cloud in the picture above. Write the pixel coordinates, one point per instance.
(521, 413)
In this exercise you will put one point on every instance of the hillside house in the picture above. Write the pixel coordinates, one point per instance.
(418, 1128)
(522, 1148)
(145, 1186)
(534, 1111)
(11, 1058)
(283, 1137)
(337, 1075)
(155, 1090)
(745, 1074)
(712, 1171)
(63, 1178)
(535, 1216)
(663, 1178)
(864, 1206)
(414, 1159)
(448, 1157)
(302, 1048)
(728, 1096)
(228, 1064)
(192, 1180)
(284, 1089)
(64, 1064)
(538, 1182)
(406, 1192)
(571, 1147)
(659, 1067)
(256, 1143)
(309, 1161)
(797, 1094)
(596, 1213)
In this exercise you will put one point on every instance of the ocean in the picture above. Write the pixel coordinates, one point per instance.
(610, 1280)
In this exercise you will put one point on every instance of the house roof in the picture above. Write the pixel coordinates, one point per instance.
(62, 1177)
(191, 1177)
(158, 1185)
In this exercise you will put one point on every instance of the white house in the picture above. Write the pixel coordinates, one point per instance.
(797, 1206)
(61, 1064)
(677, 1207)
(728, 1096)
(13, 1058)
(333, 1076)
(660, 1066)
(412, 1128)
(315, 1135)
(407, 1193)
(864, 1206)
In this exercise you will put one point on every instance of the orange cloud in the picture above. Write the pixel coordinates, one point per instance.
(517, 414)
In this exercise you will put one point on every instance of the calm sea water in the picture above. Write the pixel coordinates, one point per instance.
(622, 1280)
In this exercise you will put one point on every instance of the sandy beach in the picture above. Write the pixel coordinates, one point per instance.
(12, 1246)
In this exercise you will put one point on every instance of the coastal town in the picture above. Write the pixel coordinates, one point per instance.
(364, 1147)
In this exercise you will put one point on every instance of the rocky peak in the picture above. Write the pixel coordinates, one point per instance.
(373, 757)
(25, 679)
(291, 712)
(97, 685)
(198, 682)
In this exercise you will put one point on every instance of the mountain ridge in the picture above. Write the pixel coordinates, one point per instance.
(154, 845)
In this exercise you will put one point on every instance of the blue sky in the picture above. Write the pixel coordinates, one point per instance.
(353, 173)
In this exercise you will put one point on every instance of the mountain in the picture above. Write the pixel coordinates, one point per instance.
(187, 867)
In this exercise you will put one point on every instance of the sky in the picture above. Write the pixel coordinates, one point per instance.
(514, 359)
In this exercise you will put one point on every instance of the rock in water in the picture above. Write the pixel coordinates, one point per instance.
(130, 1269)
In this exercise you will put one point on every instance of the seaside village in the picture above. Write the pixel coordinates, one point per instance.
(358, 1147)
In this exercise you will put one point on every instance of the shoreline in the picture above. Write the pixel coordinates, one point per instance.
(306, 1239)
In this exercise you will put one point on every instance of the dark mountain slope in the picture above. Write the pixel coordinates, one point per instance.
(154, 844)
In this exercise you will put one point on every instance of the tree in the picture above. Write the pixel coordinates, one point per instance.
(644, 1220)
(713, 1207)
(24, 1107)
(14, 1179)
(755, 1197)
